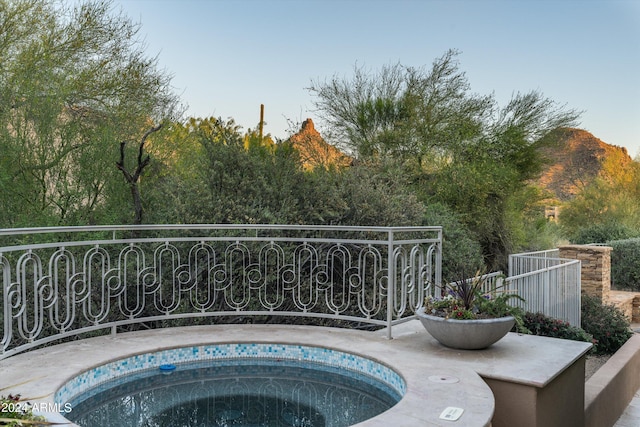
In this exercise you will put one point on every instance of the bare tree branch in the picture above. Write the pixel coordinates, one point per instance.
(132, 178)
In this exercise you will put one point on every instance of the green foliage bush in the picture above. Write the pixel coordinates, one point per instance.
(625, 264)
(265, 183)
(540, 324)
(603, 325)
(601, 233)
(607, 324)
(377, 195)
(459, 251)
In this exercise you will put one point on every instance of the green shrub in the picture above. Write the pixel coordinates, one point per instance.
(608, 325)
(377, 196)
(540, 324)
(601, 233)
(625, 264)
(460, 252)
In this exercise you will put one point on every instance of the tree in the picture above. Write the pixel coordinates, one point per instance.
(363, 112)
(608, 206)
(401, 111)
(74, 81)
(457, 147)
(487, 178)
(133, 176)
(222, 176)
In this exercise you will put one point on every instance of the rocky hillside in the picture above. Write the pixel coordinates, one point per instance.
(314, 150)
(574, 158)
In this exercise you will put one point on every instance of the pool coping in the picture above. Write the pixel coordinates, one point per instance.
(423, 402)
(413, 353)
(96, 380)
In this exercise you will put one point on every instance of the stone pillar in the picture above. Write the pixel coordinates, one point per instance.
(596, 268)
(635, 312)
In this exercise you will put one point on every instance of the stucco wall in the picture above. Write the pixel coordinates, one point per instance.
(611, 388)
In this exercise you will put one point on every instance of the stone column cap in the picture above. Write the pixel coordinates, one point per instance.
(592, 248)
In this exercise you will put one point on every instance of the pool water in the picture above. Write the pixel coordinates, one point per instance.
(236, 392)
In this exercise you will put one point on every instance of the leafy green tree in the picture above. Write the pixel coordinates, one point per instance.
(366, 113)
(75, 82)
(218, 175)
(223, 176)
(607, 208)
(400, 111)
(457, 147)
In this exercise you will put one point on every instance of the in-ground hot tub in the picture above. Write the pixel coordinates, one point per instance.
(240, 384)
(435, 379)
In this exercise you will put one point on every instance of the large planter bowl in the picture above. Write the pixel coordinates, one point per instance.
(466, 334)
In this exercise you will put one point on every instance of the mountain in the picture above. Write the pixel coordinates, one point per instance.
(315, 151)
(574, 158)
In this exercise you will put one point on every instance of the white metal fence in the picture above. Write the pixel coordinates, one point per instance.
(61, 282)
(547, 283)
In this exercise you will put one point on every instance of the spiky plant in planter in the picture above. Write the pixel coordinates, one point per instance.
(468, 317)
(464, 299)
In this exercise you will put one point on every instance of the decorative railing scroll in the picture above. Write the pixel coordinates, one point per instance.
(68, 281)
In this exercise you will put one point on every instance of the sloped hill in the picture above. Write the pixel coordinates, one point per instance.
(574, 158)
(314, 150)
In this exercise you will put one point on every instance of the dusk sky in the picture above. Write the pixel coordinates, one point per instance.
(228, 57)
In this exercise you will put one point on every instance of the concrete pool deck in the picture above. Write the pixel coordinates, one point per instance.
(521, 376)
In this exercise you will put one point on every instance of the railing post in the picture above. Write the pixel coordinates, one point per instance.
(578, 291)
(510, 268)
(391, 283)
(438, 275)
(547, 302)
(7, 313)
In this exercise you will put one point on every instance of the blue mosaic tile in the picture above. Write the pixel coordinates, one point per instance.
(332, 358)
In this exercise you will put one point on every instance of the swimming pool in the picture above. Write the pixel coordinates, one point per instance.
(241, 384)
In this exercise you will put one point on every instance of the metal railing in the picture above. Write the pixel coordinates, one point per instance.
(64, 281)
(547, 283)
(531, 261)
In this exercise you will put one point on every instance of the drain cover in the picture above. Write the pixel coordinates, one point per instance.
(444, 379)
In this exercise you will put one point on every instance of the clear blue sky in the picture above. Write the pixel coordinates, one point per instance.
(228, 57)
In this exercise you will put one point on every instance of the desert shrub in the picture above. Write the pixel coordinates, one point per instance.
(540, 324)
(625, 264)
(459, 251)
(375, 195)
(608, 325)
(601, 233)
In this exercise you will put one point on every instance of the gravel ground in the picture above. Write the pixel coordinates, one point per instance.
(593, 363)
